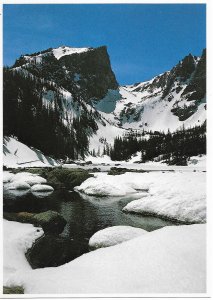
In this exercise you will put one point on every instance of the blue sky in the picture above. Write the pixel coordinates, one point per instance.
(143, 40)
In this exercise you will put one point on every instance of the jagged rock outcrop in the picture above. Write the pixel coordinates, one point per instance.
(168, 100)
(85, 74)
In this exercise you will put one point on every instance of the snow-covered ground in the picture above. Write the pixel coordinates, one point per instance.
(104, 163)
(177, 195)
(114, 235)
(168, 260)
(145, 108)
(17, 239)
(17, 154)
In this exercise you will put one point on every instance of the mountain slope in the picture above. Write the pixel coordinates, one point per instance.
(17, 154)
(168, 101)
(67, 102)
(84, 72)
(50, 104)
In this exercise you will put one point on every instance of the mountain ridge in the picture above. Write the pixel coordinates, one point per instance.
(77, 88)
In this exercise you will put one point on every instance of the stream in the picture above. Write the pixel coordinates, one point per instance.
(85, 215)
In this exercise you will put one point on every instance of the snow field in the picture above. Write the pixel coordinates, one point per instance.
(114, 235)
(62, 51)
(168, 260)
(17, 154)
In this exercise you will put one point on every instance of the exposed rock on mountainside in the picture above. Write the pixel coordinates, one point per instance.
(84, 72)
(168, 101)
(70, 100)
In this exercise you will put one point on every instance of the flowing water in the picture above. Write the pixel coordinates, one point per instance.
(84, 215)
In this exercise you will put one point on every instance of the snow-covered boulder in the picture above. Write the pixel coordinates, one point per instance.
(18, 185)
(29, 178)
(114, 235)
(7, 176)
(168, 260)
(17, 239)
(108, 185)
(41, 188)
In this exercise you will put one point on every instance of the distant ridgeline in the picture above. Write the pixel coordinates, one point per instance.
(57, 101)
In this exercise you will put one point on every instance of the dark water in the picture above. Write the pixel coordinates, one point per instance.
(85, 215)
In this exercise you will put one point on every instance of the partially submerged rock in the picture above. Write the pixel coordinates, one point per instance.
(119, 171)
(51, 251)
(50, 221)
(58, 178)
(67, 178)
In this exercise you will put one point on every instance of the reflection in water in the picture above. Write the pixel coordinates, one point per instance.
(85, 215)
(41, 194)
(16, 193)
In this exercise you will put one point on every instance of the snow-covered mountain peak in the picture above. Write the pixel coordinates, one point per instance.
(57, 52)
(64, 50)
(167, 101)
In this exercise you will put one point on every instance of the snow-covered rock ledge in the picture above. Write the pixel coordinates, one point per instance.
(168, 260)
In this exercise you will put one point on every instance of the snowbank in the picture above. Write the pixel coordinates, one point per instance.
(168, 260)
(199, 160)
(176, 195)
(29, 178)
(17, 238)
(114, 235)
(17, 154)
(7, 177)
(18, 185)
(23, 181)
(105, 185)
(41, 188)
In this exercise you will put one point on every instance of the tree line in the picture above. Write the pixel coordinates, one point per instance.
(38, 125)
(174, 148)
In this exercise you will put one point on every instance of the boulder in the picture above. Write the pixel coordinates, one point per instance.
(61, 178)
(51, 251)
(50, 221)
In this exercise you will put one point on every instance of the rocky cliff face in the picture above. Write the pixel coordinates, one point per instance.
(49, 100)
(168, 101)
(85, 72)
